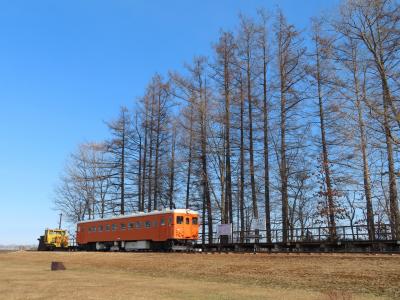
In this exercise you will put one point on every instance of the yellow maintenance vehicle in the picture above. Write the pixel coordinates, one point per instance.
(54, 239)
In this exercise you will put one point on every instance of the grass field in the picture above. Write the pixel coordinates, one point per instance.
(27, 275)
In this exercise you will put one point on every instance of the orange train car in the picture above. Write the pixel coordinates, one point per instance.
(175, 229)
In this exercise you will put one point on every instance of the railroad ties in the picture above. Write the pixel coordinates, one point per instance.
(301, 247)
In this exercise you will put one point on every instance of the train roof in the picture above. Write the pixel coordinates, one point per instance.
(143, 214)
(57, 230)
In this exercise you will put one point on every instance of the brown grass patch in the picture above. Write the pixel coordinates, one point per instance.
(27, 275)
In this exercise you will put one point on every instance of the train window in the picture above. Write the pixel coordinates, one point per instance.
(108, 227)
(130, 226)
(100, 228)
(179, 220)
(187, 221)
(138, 225)
(194, 221)
(162, 222)
(90, 229)
(169, 220)
(148, 224)
(123, 226)
(94, 229)
(114, 227)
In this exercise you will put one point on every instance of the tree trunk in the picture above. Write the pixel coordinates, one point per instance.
(249, 98)
(150, 179)
(172, 172)
(331, 204)
(242, 224)
(222, 182)
(228, 185)
(123, 168)
(266, 150)
(140, 176)
(283, 170)
(394, 208)
(206, 189)
(204, 163)
(156, 167)
(283, 163)
(144, 157)
(363, 145)
(189, 170)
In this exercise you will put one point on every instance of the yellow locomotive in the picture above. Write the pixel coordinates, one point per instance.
(53, 239)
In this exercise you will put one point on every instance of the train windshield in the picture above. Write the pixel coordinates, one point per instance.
(194, 221)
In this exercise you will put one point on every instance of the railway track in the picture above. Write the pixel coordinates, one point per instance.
(386, 247)
(391, 246)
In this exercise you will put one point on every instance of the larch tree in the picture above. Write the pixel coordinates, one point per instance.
(224, 73)
(143, 153)
(263, 44)
(323, 78)
(172, 167)
(376, 24)
(161, 132)
(350, 56)
(119, 148)
(247, 44)
(193, 88)
(290, 55)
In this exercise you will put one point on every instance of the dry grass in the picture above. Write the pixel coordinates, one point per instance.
(27, 275)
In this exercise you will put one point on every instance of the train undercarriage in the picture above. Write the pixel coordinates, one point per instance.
(391, 246)
(169, 245)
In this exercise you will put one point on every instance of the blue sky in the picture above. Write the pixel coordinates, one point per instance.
(67, 66)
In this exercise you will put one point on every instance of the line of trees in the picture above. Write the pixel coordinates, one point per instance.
(277, 129)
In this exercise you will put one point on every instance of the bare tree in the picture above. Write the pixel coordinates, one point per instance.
(172, 170)
(190, 157)
(161, 132)
(290, 54)
(143, 162)
(247, 46)
(194, 89)
(138, 134)
(265, 58)
(224, 72)
(118, 147)
(375, 23)
(350, 58)
(324, 78)
(242, 149)
(84, 187)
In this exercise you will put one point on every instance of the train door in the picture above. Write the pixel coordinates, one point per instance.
(81, 234)
(195, 226)
(187, 225)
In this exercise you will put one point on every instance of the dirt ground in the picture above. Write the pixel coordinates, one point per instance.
(27, 275)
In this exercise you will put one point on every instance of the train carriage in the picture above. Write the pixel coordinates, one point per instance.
(157, 230)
